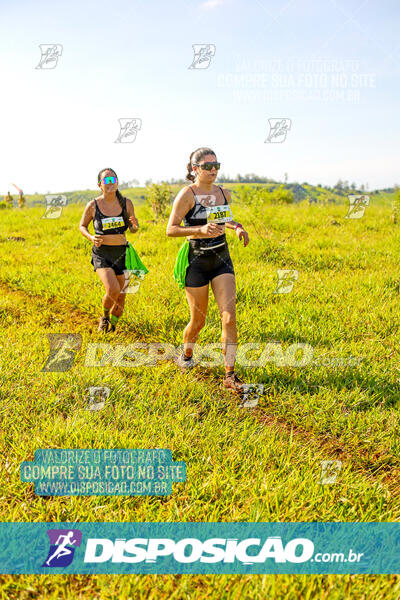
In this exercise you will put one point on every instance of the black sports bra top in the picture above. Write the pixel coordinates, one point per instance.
(197, 215)
(106, 225)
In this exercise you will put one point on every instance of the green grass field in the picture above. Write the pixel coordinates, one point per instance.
(260, 464)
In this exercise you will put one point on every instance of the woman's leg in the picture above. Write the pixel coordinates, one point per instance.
(197, 298)
(119, 304)
(224, 289)
(112, 287)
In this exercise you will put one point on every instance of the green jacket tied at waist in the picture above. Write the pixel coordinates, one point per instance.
(132, 260)
(181, 264)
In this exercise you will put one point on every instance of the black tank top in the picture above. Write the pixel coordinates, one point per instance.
(197, 215)
(106, 225)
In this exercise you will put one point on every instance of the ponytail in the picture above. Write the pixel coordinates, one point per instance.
(189, 167)
(120, 199)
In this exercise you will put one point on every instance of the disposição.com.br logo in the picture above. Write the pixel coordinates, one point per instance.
(63, 543)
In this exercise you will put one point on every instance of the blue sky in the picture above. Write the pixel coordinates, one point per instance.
(130, 59)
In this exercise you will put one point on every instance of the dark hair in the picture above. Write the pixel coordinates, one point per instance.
(120, 197)
(194, 158)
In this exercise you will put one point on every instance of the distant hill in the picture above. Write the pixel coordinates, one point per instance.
(301, 192)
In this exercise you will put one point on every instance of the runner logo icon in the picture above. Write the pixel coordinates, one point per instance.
(62, 547)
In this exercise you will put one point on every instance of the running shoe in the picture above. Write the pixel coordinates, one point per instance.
(104, 324)
(185, 364)
(232, 382)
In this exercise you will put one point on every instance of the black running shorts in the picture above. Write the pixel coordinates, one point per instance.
(205, 265)
(112, 257)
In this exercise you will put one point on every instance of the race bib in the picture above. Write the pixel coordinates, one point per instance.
(219, 214)
(112, 223)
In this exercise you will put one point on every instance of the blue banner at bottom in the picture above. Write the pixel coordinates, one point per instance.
(193, 548)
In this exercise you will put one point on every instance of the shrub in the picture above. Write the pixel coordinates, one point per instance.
(396, 206)
(159, 197)
(249, 195)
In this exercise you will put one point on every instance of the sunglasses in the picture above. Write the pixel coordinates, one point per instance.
(107, 180)
(207, 166)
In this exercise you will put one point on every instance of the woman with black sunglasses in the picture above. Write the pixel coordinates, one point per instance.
(112, 215)
(203, 208)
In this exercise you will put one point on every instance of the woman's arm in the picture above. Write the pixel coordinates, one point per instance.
(182, 204)
(87, 216)
(230, 224)
(238, 227)
(133, 222)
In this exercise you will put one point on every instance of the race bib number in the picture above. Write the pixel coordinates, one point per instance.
(219, 214)
(112, 222)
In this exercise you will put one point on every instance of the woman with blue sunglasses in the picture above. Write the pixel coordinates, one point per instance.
(112, 215)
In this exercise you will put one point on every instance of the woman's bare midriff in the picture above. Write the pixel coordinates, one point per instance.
(114, 239)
